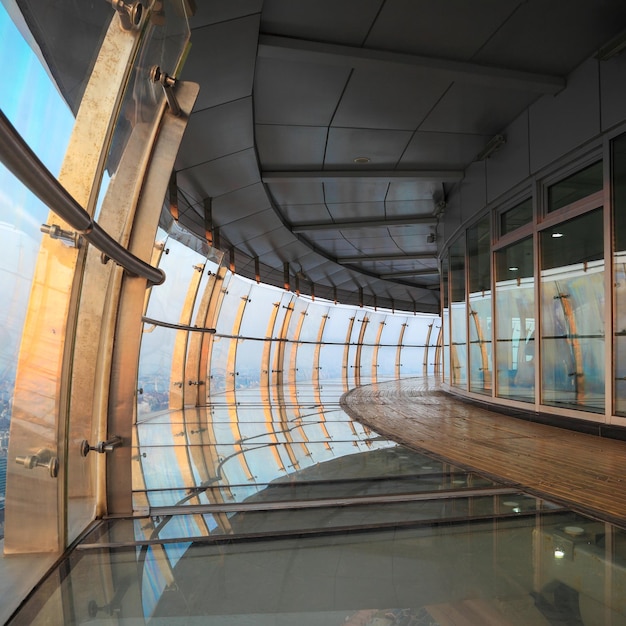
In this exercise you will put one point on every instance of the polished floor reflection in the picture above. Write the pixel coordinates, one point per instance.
(276, 513)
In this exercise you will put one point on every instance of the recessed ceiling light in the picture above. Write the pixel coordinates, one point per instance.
(557, 235)
(362, 160)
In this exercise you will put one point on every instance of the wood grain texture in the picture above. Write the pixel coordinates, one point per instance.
(584, 472)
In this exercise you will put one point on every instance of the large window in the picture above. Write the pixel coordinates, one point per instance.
(515, 322)
(479, 261)
(33, 105)
(458, 315)
(619, 279)
(572, 313)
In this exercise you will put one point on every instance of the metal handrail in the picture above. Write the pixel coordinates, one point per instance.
(24, 164)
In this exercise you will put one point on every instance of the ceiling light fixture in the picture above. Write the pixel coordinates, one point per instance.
(557, 235)
(362, 160)
(513, 269)
(493, 146)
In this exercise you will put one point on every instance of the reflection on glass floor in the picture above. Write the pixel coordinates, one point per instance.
(272, 513)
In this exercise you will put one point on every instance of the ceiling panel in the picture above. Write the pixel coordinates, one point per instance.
(424, 191)
(403, 208)
(264, 243)
(222, 11)
(325, 20)
(357, 210)
(305, 213)
(295, 193)
(367, 238)
(347, 191)
(563, 33)
(413, 230)
(436, 150)
(438, 29)
(290, 147)
(221, 176)
(337, 247)
(387, 100)
(239, 204)
(475, 110)
(251, 226)
(384, 148)
(226, 71)
(293, 94)
(368, 245)
(215, 132)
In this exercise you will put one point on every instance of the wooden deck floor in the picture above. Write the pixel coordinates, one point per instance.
(584, 472)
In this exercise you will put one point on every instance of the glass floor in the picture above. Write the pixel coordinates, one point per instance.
(265, 511)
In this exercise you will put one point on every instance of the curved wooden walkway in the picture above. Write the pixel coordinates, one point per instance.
(586, 473)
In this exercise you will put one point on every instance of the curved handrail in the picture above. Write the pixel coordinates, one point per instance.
(24, 164)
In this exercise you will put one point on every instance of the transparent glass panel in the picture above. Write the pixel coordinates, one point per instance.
(331, 362)
(373, 326)
(387, 362)
(263, 306)
(180, 264)
(480, 326)
(33, 105)
(412, 361)
(304, 362)
(249, 362)
(312, 322)
(575, 187)
(297, 319)
(367, 354)
(20, 239)
(519, 215)
(572, 305)
(352, 365)
(619, 269)
(236, 296)
(538, 566)
(515, 321)
(416, 330)
(445, 317)
(458, 316)
(164, 41)
(337, 324)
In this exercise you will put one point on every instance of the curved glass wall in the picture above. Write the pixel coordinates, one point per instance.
(35, 108)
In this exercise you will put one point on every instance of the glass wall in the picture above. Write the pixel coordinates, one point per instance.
(619, 278)
(515, 321)
(458, 315)
(35, 108)
(572, 313)
(550, 304)
(480, 326)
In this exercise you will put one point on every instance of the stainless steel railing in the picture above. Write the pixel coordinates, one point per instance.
(24, 164)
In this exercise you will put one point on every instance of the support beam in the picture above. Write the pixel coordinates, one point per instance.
(346, 260)
(392, 275)
(367, 176)
(428, 220)
(306, 51)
